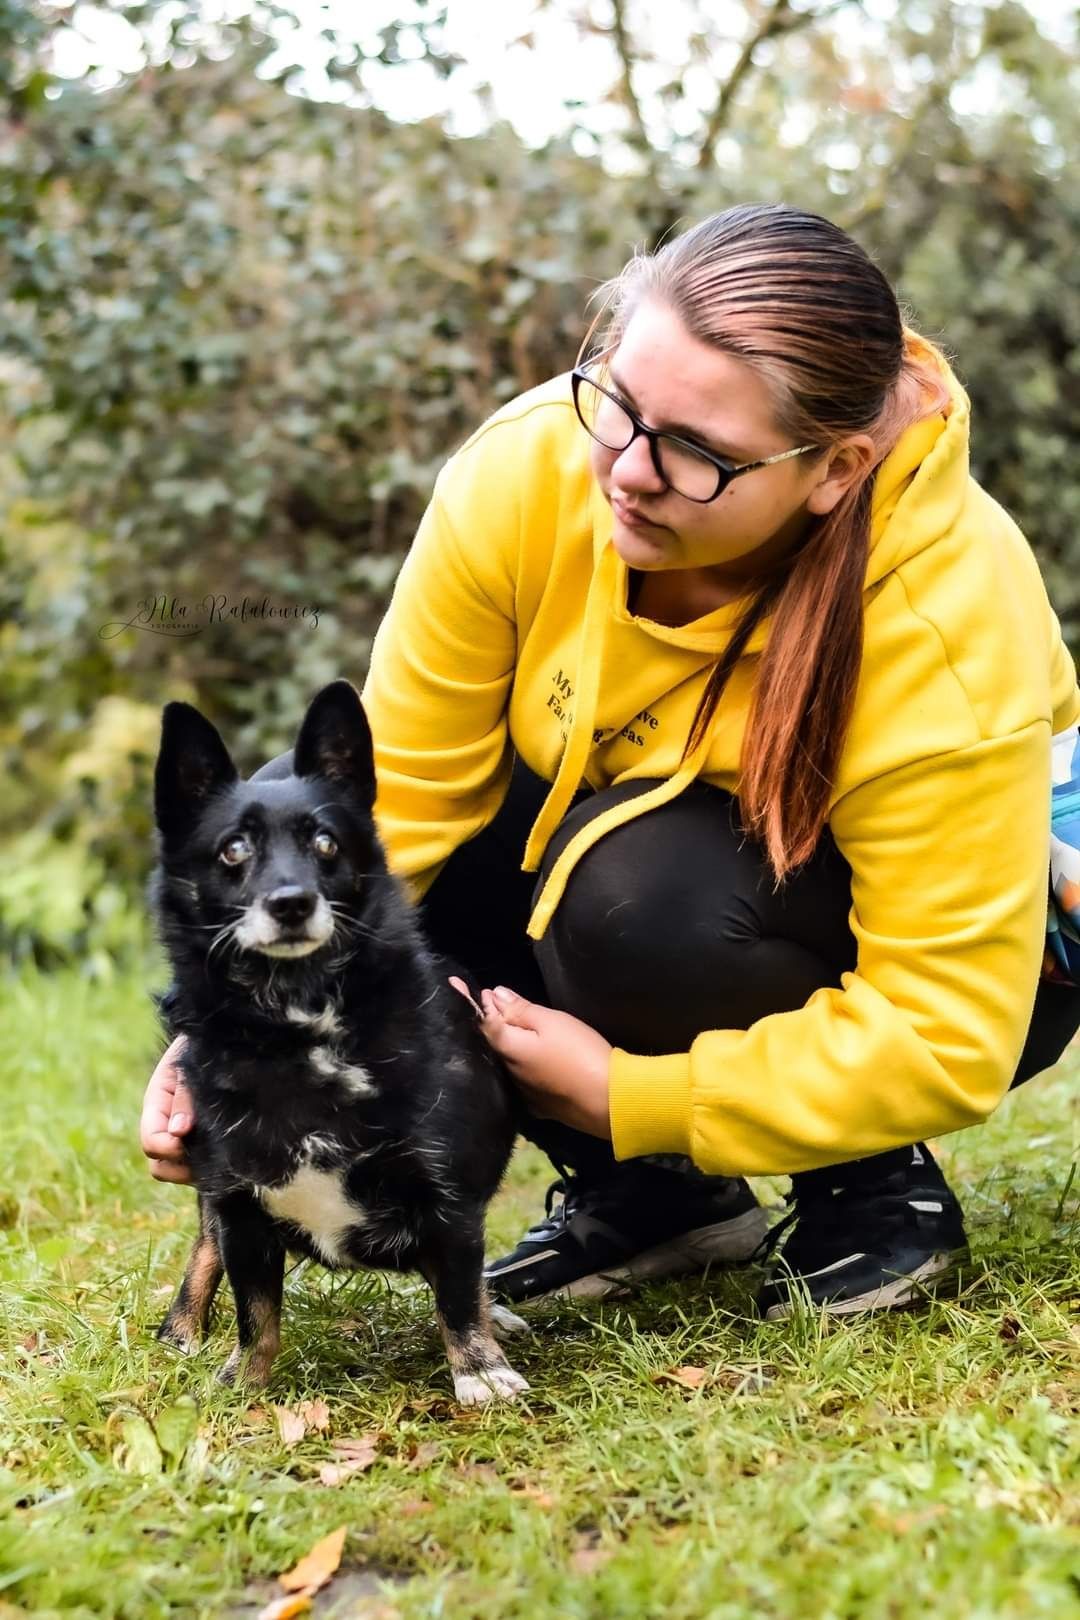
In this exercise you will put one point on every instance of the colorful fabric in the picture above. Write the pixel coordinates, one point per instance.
(1061, 964)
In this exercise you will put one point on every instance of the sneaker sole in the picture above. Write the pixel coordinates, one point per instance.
(940, 1270)
(727, 1242)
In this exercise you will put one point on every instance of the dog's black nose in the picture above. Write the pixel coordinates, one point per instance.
(290, 905)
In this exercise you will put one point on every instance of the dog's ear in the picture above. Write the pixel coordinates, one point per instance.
(192, 765)
(334, 742)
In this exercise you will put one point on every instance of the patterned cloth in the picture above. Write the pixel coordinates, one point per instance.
(1061, 962)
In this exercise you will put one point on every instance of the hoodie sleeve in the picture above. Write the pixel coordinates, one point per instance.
(949, 859)
(438, 684)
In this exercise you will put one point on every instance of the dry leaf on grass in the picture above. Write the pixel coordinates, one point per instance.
(353, 1456)
(285, 1608)
(426, 1452)
(317, 1566)
(485, 1472)
(744, 1380)
(360, 1442)
(316, 1414)
(414, 1505)
(291, 1426)
(686, 1377)
(536, 1493)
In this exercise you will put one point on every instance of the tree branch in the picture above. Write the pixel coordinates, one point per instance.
(621, 36)
(778, 20)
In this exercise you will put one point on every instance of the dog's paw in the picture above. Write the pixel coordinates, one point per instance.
(504, 1324)
(230, 1372)
(185, 1342)
(496, 1384)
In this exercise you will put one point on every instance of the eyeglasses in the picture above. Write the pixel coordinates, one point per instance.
(686, 468)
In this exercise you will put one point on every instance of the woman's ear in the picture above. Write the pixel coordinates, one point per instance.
(849, 463)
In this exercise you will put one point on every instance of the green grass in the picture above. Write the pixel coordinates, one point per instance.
(924, 1463)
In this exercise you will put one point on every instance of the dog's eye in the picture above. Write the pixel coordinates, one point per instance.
(237, 850)
(324, 845)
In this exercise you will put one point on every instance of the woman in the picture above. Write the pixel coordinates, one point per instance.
(739, 550)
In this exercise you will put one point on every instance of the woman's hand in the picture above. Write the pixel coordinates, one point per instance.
(560, 1064)
(167, 1116)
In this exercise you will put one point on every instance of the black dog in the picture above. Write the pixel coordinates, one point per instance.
(347, 1106)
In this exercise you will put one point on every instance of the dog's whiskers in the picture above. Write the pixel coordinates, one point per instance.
(225, 938)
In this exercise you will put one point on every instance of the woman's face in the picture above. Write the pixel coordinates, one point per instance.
(672, 380)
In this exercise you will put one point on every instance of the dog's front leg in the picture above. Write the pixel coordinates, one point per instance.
(254, 1257)
(453, 1264)
(189, 1314)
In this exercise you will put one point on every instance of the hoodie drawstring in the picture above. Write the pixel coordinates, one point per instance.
(596, 829)
(579, 741)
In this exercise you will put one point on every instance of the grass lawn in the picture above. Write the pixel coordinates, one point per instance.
(922, 1464)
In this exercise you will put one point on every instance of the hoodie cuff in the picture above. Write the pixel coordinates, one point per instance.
(649, 1104)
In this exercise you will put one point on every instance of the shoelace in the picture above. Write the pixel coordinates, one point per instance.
(832, 1216)
(571, 1188)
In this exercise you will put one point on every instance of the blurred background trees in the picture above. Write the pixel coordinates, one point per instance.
(248, 310)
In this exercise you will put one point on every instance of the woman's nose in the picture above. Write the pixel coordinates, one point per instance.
(633, 468)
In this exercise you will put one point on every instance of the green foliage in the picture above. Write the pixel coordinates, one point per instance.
(243, 329)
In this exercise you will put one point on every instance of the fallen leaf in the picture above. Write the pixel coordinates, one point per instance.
(292, 1427)
(436, 1406)
(360, 1442)
(487, 1472)
(412, 1506)
(316, 1567)
(353, 1459)
(745, 1380)
(687, 1377)
(284, 1608)
(541, 1497)
(425, 1453)
(316, 1414)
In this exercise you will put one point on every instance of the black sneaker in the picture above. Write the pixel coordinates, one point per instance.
(633, 1226)
(866, 1241)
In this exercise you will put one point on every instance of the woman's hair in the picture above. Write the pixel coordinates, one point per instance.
(793, 296)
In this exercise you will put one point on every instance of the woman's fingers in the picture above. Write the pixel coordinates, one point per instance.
(164, 1170)
(463, 990)
(167, 1114)
(507, 1007)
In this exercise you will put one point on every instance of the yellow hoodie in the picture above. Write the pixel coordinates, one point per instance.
(509, 626)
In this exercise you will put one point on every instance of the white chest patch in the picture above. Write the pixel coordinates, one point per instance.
(316, 1201)
(330, 1065)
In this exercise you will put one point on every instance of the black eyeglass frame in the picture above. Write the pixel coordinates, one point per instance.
(726, 470)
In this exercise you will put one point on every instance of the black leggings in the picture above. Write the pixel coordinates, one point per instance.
(668, 926)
